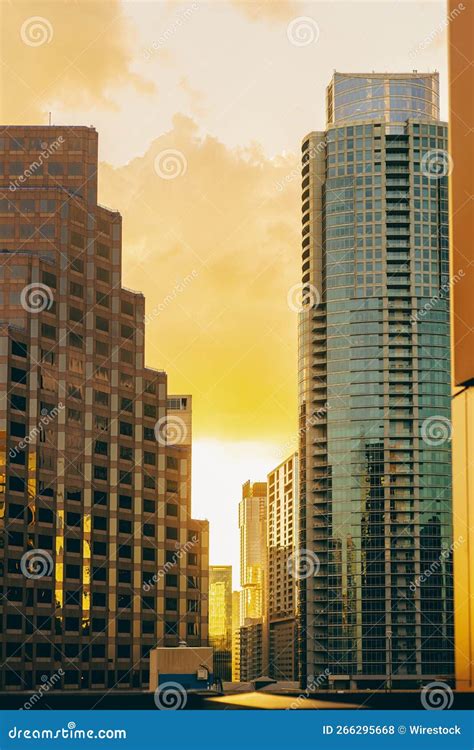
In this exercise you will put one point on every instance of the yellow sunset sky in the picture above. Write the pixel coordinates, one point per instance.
(216, 249)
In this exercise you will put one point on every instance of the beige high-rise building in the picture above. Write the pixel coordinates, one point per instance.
(253, 533)
(282, 530)
(220, 619)
(253, 564)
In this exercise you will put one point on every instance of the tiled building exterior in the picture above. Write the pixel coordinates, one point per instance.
(99, 558)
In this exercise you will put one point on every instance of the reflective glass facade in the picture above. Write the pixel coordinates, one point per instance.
(375, 481)
(382, 98)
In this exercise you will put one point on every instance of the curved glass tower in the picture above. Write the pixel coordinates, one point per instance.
(374, 390)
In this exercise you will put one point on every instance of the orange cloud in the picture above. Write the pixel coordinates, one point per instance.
(63, 51)
(211, 236)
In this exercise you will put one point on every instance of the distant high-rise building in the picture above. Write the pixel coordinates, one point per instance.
(252, 654)
(253, 567)
(282, 515)
(220, 619)
(236, 636)
(100, 559)
(253, 552)
(374, 400)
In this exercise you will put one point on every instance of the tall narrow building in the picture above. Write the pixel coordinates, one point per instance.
(282, 539)
(374, 380)
(100, 560)
(220, 619)
(253, 646)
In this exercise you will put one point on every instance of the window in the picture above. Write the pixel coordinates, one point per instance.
(149, 433)
(19, 349)
(18, 376)
(149, 410)
(98, 600)
(149, 482)
(101, 398)
(102, 348)
(101, 448)
(73, 519)
(102, 274)
(76, 290)
(125, 501)
(100, 522)
(101, 324)
(126, 453)
(124, 527)
(149, 458)
(171, 509)
(100, 472)
(126, 429)
(172, 463)
(126, 404)
(99, 548)
(17, 402)
(126, 307)
(171, 532)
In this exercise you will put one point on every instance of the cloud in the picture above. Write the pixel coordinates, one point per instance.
(64, 51)
(215, 250)
(273, 10)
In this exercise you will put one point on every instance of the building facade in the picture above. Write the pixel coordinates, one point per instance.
(374, 386)
(253, 572)
(220, 619)
(100, 560)
(282, 539)
(235, 636)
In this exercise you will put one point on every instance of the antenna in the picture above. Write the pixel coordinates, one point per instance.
(49, 113)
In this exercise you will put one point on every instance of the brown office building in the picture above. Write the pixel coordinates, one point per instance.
(100, 560)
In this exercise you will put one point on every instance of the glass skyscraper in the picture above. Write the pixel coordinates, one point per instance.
(374, 388)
